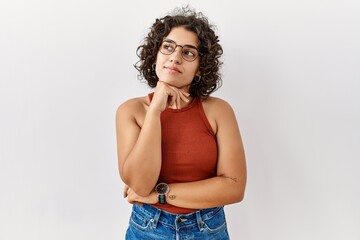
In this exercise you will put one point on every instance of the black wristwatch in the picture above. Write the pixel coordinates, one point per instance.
(162, 189)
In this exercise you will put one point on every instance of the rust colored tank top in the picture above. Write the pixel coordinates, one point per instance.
(189, 148)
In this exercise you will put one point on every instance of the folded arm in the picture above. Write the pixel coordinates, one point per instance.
(138, 130)
(229, 185)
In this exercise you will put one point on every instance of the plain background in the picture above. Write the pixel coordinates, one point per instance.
(291, 73)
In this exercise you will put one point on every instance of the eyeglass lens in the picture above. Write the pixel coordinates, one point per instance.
(188, 53)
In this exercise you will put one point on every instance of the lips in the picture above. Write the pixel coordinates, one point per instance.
(175, 69)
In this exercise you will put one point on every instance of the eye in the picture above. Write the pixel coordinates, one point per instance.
(189, 52)
(167, 47)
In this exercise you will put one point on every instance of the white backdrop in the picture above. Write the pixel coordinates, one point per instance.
(291, 73)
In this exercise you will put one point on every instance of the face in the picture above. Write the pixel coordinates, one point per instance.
(173, 68)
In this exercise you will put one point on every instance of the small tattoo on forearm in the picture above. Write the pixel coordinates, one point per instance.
(232, 178)
(172, 197)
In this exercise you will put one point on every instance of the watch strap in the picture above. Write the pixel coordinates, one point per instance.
(162, 199)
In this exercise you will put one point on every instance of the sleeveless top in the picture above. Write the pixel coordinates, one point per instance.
(189, 148)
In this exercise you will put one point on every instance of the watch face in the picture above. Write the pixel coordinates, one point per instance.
(162, 188)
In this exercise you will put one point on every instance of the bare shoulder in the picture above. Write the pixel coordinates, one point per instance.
(134, 108)
(217, 110)
(133, 104)
(215, 105)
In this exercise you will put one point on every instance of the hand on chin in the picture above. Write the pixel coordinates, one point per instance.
(177, 85)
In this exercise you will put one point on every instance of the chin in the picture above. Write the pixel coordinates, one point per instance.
(172, 82)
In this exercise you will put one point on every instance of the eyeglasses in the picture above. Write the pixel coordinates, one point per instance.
(188, 52)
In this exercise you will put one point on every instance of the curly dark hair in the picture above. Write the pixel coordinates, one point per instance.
(210, 50)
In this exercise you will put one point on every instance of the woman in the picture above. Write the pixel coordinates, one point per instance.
(180, 151)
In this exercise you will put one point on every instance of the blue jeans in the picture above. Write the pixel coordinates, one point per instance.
(148, 222)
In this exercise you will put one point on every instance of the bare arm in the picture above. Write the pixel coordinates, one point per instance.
(139, 147)
(229, 184)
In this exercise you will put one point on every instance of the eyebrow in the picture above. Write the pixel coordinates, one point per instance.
(186, 45)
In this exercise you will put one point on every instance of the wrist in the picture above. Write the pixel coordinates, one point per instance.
(162, 189)
(153, 111)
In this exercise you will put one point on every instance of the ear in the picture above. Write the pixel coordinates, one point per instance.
(198, 73)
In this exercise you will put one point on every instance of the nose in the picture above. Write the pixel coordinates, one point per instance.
(176, 55)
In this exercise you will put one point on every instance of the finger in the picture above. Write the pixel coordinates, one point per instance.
(184, 97)
(178, 100)
(171, 98)
(185, 93)
(126, 187)
(177, 97)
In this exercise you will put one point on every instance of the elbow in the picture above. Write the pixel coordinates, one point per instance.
(236, 191)
(139, 187)
(141, 191)
(239, 197)
(141, 184)
(236, 198)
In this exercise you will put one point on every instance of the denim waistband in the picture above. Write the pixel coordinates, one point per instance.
(177, 220)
